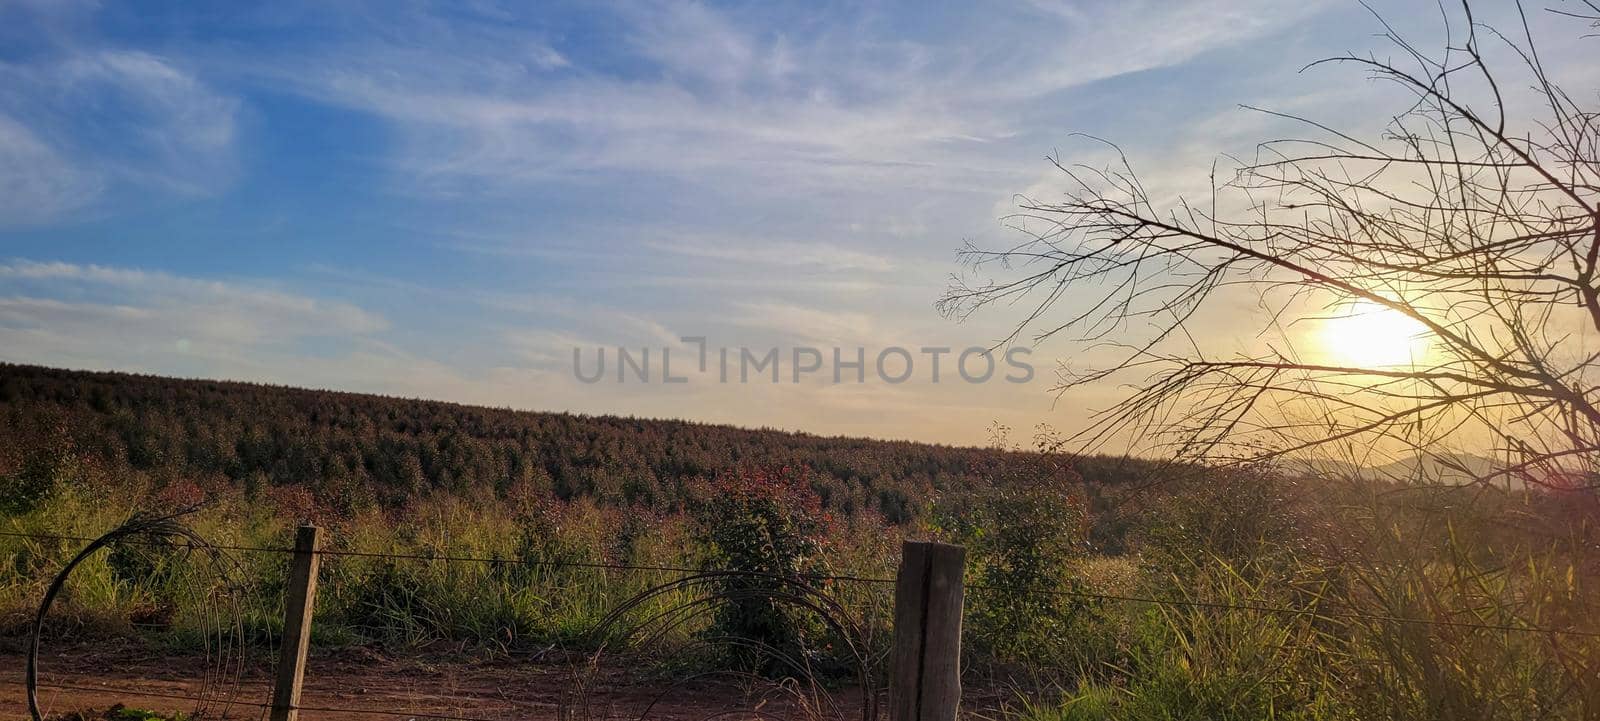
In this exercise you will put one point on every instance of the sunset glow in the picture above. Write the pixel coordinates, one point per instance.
(1369, 335)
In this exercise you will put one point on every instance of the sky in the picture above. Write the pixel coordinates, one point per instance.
(445, 200)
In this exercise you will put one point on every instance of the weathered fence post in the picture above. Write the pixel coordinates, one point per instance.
(925, 672)
(297, 607)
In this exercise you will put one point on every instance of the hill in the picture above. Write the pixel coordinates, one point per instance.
(353, 450)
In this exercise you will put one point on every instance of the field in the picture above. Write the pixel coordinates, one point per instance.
(476, 554)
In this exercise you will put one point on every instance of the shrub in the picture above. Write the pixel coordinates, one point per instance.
(35, 463)
(1024, 534)
(763, 521)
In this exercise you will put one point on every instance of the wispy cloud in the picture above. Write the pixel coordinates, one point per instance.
(801, 324)
(811, 104)
(78, 124)
(1106, 40)
(37, 183)
(172, 128)
(99, 302)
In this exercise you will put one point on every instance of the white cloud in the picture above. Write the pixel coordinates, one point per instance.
(80, 124)
(1106, 40)
(101, 303)
(729, 101)
(170, 127)
(585, 327)
(189, 113)
(809, 168)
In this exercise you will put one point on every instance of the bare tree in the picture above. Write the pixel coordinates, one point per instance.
(1474, 215)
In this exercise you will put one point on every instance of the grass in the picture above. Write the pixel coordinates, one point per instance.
(1127, 661)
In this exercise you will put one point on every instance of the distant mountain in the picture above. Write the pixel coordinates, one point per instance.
(1442, 468)
(1452, 468)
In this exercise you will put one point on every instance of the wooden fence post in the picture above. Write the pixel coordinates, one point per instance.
(299, 602)
(925, 673)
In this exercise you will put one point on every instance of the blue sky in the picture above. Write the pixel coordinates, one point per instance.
(442, 200)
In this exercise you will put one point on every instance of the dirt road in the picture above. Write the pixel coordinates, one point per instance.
(366, 686)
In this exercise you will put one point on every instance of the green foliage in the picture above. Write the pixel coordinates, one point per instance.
(768, 522)
(139, 714)
(1207, 662)
(1431, 671)
(118, 712)
(25, 488)
(35, 463)
(1025, 536)
(1092, 702)
(762, 520)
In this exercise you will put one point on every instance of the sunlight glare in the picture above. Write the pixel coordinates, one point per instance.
(1369, 335)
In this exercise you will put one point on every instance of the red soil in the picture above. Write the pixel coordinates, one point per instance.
(367, 686)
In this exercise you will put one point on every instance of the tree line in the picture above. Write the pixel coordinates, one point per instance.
(354, 451)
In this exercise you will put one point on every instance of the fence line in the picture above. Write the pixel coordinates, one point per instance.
(925, 671)
(153, 694)
(255, 704)
(469, 559)
(1090, 595)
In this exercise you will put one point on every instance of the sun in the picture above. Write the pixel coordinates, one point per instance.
(1368, 335)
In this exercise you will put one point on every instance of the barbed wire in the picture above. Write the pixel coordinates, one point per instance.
(491, 560)
(1315, 613)
(1090, 595)
(258, 704)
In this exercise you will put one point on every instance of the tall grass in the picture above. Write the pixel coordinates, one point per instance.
(1381, 611)
(1359, 611)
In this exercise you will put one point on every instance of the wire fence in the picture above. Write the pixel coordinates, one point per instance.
(680, 572)
(489, 560)
(687, 571)
(1085, 595)
(264, 707)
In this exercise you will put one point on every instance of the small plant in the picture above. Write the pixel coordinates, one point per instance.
(139, 714)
